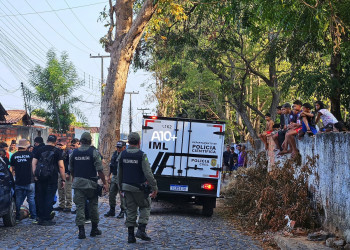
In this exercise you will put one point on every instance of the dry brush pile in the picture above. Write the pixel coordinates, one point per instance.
(261, 199)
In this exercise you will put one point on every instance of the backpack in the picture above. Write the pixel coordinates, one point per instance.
(45, 167)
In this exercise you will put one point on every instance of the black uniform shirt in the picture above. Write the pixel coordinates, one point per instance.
(22, 163)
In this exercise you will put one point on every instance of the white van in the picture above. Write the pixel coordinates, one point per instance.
(185, 157)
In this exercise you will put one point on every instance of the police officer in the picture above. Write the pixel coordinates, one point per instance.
(113, 189)
(83, 165)
(133, 172)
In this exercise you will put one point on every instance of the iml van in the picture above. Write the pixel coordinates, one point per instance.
(185, 157)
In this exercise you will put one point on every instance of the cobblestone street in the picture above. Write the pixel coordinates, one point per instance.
(170, 227)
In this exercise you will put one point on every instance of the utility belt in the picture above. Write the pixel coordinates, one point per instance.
(143, 187)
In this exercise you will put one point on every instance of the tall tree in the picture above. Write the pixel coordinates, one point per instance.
(125, 31)
(53, 88)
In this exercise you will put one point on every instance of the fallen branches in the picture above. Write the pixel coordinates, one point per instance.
(262, 199)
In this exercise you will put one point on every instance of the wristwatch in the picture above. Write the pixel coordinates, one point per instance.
(63, 180)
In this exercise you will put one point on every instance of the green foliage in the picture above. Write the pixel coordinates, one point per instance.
(238, 43)
(53, 91)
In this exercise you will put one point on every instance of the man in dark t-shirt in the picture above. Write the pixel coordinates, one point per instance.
(233, 158)
(21, 163)
(47, 188)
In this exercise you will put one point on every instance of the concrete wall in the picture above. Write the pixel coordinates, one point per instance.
(330, 181)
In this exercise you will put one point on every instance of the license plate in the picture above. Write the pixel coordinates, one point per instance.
(181, 188)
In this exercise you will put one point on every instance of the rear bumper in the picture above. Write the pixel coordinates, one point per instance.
(194, 186)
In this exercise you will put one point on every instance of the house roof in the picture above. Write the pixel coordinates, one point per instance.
(2, 113)
(14, 116)
(38, 119)
(94, 129)
(91, 129)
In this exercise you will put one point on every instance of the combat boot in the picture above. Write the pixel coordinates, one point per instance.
(141, 233)
(131, 235)
(110, 213)
(94, 230)
(81, 232)
(121, 214)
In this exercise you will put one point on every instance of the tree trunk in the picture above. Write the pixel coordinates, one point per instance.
(128, 35)
(241, 111)
(336, 72)
(273, 75)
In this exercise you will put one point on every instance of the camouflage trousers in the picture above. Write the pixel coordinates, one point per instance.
(137, 201)
(113, 191)
(65, 194)
(80, 197)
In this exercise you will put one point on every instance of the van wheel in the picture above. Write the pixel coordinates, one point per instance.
(10, 218)
(207, 210)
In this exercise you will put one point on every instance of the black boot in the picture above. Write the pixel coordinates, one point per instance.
(141, 233)
(81, 232)
(131, 235)
(94, 230)
(121, 214)
(111, 212)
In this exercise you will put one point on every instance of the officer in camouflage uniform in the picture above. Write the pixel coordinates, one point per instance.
(113, 189)
(84, 164)
(133, 172)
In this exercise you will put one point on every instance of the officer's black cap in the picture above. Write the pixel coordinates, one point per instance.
(39, 139)
(120, 144)
(52, 138)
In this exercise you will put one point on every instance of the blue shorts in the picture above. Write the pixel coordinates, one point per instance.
(313, 129)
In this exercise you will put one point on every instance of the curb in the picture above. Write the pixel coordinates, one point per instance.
(286, 243)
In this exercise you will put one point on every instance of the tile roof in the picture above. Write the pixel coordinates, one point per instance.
(91, 129)
(38, 119)
(94, 129)
(14, 116)
(2, 113)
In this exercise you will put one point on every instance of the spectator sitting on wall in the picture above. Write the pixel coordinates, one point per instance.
(279, 111)
(307, 118)
(339, 127)
(293, 129)
(268, 130)
(280, 135)
(328, 119)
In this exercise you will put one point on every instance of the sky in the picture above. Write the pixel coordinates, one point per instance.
(29, 28)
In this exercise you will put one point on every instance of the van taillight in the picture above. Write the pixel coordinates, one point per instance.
(207, 186)
(154, 117)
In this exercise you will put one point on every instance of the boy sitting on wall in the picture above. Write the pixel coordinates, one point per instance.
(307, 118)
(268, 130)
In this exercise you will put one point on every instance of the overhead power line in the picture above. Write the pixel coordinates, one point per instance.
(44, 37)
(48, 11)
(81, 23)
(69, 28)
(75, 46)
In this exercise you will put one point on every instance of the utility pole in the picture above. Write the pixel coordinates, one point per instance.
(143, 111)
(99, 56)
(130, 111)
(24, 98)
